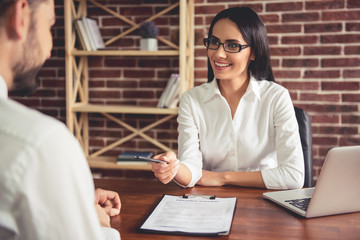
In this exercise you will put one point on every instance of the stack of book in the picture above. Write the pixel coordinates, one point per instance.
(170, 96)
(89, 34)
(127, 158)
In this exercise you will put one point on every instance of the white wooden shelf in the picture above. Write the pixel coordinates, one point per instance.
(78, 105)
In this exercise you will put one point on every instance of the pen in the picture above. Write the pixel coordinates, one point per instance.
(140, 158)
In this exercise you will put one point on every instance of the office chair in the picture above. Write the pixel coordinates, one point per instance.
(306, 142)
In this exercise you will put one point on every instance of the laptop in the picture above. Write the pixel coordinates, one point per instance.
(337, 190)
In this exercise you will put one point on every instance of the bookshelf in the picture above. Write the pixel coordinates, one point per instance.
(78, 104)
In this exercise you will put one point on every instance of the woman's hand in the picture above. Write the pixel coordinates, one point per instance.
(109, 201)
(165, 172)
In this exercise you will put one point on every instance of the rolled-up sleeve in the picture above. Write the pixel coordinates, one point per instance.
(188, 140)
(290, 171)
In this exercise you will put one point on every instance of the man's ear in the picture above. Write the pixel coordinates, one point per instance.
(19, 20)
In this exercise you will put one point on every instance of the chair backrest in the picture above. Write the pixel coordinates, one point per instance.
(306, 142)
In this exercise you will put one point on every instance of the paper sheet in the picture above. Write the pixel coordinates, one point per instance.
(199, 215)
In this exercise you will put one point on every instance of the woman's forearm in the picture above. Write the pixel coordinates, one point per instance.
(183, 176)
(244, 179)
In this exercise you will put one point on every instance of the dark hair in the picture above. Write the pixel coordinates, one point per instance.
(254, 33)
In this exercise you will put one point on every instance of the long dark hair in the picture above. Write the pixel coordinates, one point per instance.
(254, 33)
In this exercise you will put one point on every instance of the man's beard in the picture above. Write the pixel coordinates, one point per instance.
(25, 71)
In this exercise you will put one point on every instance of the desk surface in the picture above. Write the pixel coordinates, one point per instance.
(254, 218)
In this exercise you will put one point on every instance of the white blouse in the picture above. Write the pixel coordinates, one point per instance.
(262, 136)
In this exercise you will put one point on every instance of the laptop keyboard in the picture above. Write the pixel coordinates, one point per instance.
(301, 203)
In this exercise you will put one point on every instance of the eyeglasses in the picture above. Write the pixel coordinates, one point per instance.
(229, 47)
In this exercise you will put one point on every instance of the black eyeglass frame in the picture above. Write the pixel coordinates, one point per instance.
(207, 42)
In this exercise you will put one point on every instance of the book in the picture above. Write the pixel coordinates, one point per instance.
(170, 93)
(93, 31)
(128, 157)
(84, 38)
(87, 29)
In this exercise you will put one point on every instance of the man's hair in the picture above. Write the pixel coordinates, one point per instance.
(7, 5)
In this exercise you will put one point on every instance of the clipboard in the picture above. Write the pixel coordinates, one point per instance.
(198, 215)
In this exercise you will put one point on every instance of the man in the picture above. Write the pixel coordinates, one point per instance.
(46, 188)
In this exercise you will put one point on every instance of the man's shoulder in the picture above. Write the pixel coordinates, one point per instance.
(25, 123)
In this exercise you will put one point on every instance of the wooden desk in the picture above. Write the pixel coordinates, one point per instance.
(255, 217)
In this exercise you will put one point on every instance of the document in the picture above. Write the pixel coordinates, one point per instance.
(193, 215)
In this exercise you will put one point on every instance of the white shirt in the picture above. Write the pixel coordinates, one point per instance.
(46, 188)
(262, 136)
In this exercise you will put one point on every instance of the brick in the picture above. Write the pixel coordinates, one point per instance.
(325, 141)
(293, 95)
(343, 38)
(44, 93)
(273, 40)
(313, 50)
(352, 27)
(293, 28)
(275, 62)
(353, 4)
(52, 103)
(338, 130)
(139, 94)
(54, 83)
(351, 50)
(331, 109)
(201, 74)
(340, 62)
(322, 119)
(300, 40)
(280, 7)
(258, 8)
(300, 62)
(285, 51)
(322, 74)
(97, 142)
(139, 74)
(350, 119)
(287, 74)
(33, 103)
(349, 141)
(351, 73)
(121, 84)
(320, 97)
(50, 112)
(200, 63)
(324, 4)
(271, 18)
(136, 11)
(340, 15)
(319, 28)
(152, 84)
(301, 17)
(96, 83)
(347, 97)
(338, 86)
(104, 94)
(154, 63)
(104, 74)
(209, 9)
(302, 85)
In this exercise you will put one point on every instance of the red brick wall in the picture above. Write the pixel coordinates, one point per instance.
(315, 47)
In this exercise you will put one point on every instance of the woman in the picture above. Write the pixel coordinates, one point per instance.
(240, 127)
